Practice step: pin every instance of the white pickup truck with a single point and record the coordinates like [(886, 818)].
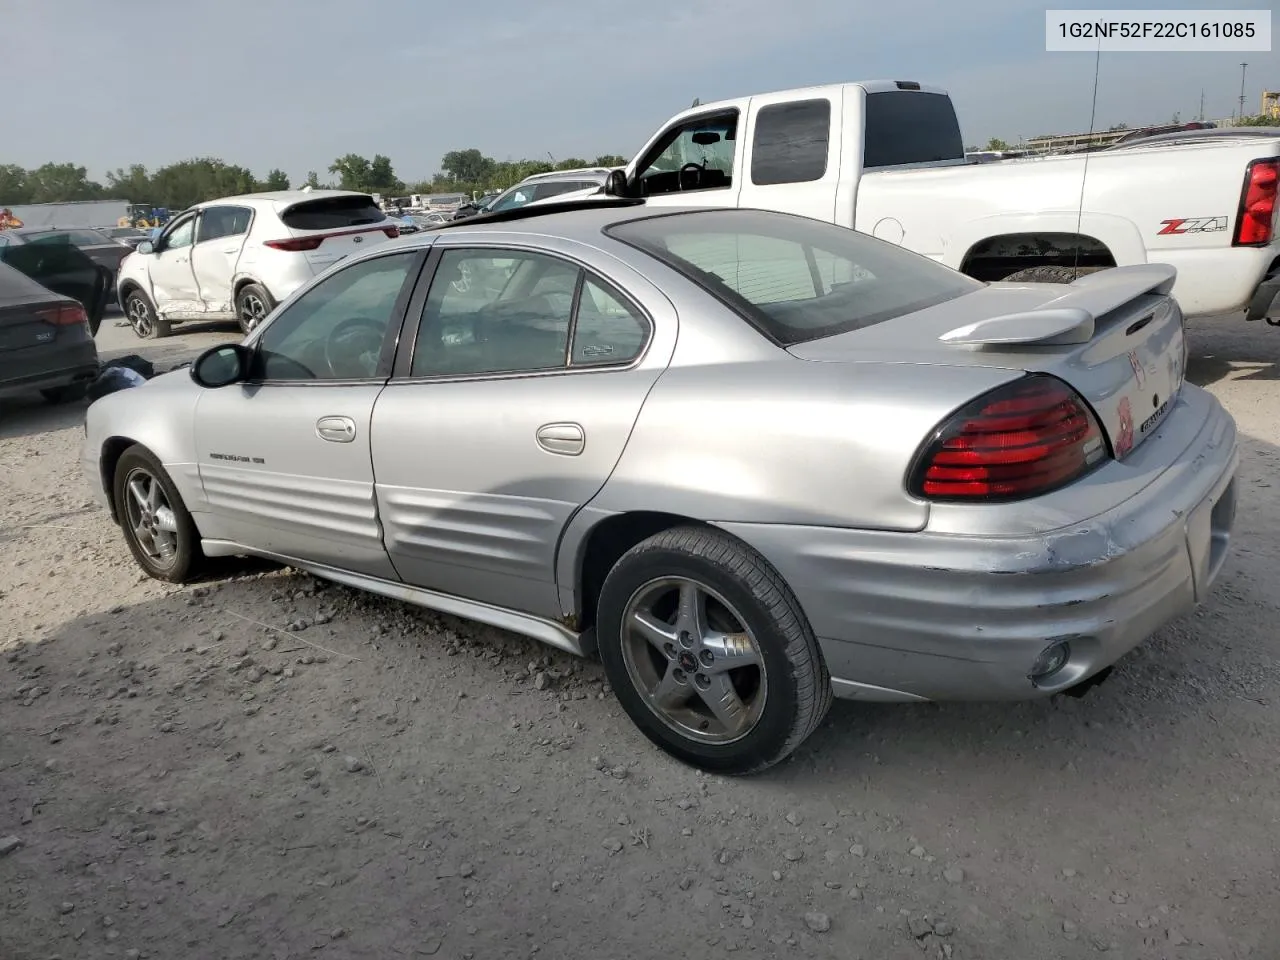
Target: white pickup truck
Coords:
[(887, 158)]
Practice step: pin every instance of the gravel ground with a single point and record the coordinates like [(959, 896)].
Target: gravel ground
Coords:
[(266, 766)]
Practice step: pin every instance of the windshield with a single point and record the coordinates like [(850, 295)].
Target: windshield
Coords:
[(793, 278)]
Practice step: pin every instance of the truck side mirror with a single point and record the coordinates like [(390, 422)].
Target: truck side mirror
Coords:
[(615, 184)]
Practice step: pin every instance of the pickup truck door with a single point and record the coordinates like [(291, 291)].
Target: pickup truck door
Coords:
[(173, 284), (220, 235), (793, 147), (695, 161)]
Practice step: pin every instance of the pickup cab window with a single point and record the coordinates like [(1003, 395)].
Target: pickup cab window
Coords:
[(790, 142), (910, 127), (695, 155)]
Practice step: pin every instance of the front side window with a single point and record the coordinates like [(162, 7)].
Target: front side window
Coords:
[(180, 235), (791, 142), (336, 330), (696, 155), (515, 197), (793, 278)]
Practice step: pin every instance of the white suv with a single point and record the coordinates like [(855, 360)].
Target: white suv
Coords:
[(238, 257)]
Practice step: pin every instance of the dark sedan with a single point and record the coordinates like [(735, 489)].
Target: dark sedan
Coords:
[(53, 260), (100, 248), (45, 342)]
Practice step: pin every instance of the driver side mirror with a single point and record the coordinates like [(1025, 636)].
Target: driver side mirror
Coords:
[(145, 247), (615, 184), (222, 365)]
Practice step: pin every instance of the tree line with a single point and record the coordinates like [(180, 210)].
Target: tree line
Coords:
[(179, 185)]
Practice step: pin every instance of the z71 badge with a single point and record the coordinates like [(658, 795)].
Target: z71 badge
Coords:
[(1192, 225)]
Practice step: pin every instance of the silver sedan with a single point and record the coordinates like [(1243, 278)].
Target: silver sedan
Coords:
[(752, 460)]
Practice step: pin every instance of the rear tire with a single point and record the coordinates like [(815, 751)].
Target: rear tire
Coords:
[(156, 523), (142, 317), (253, 303), (1050, 274), (678, 689)]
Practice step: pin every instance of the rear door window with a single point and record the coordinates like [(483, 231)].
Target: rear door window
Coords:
[(332, 213), (220, 222), (791, 142)]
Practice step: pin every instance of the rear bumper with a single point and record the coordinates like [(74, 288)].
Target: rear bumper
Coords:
[(75, 364), (932, 616), (1266, 299), (1220, 280)]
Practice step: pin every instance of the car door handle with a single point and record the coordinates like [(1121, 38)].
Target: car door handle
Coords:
[(230, 249), (336, 429), (567, 439)]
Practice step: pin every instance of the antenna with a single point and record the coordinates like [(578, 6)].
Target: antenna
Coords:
[(1244, 68), (1084, 175), (1202, 105)]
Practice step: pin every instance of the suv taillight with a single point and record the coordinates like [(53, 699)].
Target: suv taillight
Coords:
[(64, 316), (1254, 223), (1024, 439), (295, 245)]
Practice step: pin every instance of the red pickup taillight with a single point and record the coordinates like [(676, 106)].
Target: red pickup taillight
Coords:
[(1255, 224), (1024, 439)]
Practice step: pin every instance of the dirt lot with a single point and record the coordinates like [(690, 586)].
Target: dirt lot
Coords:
[(264, 766)]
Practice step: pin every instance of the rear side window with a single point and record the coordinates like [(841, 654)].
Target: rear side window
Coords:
[(910, 127), (219, 222), (794, 279), (332, 213), (791, 141)]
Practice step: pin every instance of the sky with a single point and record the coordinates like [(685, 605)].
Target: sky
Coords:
[(296, 83)]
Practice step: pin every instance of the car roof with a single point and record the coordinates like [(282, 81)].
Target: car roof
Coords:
[(580, 220), (277, 198)]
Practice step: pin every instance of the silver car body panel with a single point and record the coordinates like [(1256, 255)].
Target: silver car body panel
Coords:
[(802, 454), (471, 503)]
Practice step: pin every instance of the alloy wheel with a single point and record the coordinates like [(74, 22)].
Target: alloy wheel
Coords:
[(693, 660), (252, 311), (150, 518), (139, 316)]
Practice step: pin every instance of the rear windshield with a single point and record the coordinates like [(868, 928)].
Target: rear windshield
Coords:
[(910, 127), (793, 278), (332, 213)]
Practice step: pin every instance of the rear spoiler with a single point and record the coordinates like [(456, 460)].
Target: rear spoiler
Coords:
[(1072, 317)]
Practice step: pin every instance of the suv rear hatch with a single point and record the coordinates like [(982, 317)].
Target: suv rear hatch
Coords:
[(1116, 337), (326, 229)]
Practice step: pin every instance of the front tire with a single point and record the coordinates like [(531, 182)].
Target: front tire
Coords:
[(142, 317), (253, 303), (156, 524), (709, 652)]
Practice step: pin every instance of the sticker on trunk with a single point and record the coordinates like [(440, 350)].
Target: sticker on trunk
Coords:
[(1124, 438)]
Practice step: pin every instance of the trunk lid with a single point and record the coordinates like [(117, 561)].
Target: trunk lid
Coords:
[(326, 229), (1116, 337)]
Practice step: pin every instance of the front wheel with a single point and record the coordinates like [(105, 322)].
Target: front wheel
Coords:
[(709, 652), (156, 524), (142, 317), (253, 303)]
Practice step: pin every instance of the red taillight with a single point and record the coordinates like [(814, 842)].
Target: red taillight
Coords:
[(1254, 224), (1020, 440), (67, 315), (296, 245), (303, 244)]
